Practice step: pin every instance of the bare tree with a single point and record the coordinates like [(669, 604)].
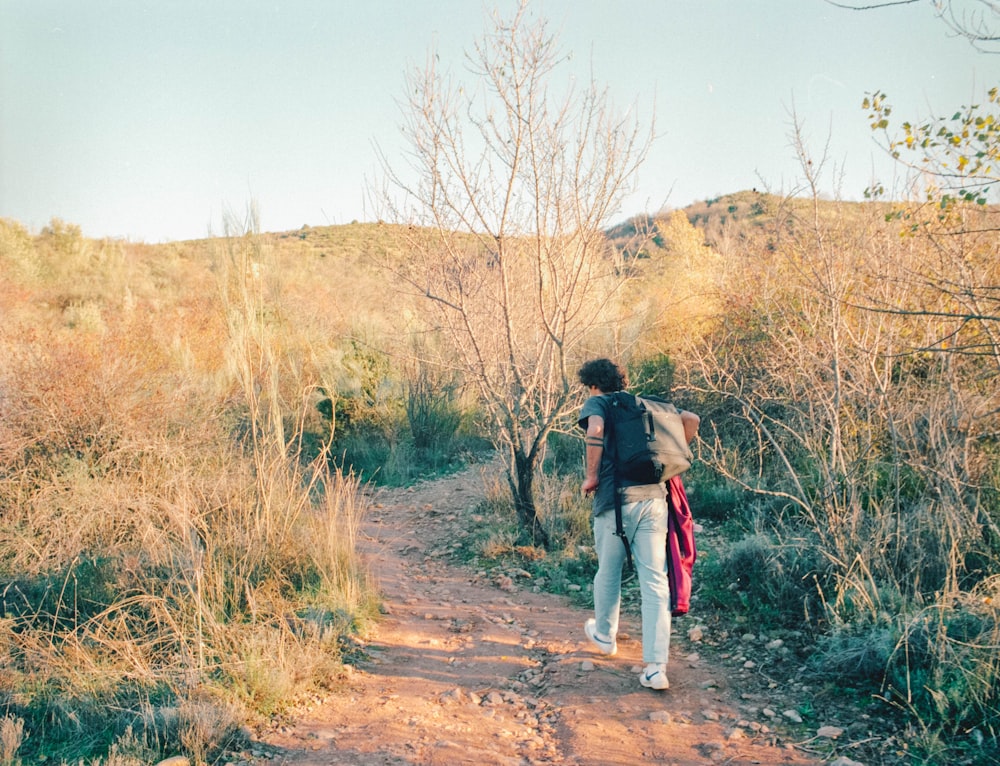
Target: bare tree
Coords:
[(514, 179), (978, 21)]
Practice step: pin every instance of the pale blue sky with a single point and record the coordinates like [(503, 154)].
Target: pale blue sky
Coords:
[(149, 119)]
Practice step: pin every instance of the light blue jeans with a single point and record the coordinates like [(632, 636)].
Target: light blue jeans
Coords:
[(645, 524)]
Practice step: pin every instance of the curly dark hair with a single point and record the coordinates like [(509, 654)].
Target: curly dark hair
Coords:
[(604, 374)]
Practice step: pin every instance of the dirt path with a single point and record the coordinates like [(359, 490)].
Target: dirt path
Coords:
[(467, 671)]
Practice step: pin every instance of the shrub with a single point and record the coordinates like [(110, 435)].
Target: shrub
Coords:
[(856, 653), (712, 498), (433, 412), (393, 433), (772, 581), (564, 511), (564, 454), (652, 375), (946, 663)]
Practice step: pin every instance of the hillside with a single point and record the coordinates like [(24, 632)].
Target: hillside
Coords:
[(185, 430)]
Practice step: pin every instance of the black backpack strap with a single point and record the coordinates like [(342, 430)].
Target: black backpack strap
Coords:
[(619, 526), (620, 530)]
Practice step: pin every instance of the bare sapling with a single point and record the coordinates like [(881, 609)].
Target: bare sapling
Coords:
[(512, 179)]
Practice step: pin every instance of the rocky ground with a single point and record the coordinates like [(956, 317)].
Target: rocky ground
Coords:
[(470, 667)]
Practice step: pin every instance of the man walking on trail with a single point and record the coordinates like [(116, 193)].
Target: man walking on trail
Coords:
[(644, 518)]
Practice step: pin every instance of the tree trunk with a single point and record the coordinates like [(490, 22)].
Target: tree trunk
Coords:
[(522, 476)]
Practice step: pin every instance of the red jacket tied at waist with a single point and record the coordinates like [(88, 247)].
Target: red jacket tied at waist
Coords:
[(681, 552)]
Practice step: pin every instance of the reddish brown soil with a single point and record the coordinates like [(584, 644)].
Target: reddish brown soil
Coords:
[(464, 670)]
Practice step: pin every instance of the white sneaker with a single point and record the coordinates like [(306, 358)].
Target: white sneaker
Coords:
[(654, 677), (604, 645)]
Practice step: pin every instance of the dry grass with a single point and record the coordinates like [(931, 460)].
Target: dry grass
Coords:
[(163, 540), (11, 738)]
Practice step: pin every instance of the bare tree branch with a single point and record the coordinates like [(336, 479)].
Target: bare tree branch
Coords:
[(872, 7), (980, 25)]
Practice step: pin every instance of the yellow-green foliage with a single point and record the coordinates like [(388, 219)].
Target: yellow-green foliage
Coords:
[(673, 296)]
